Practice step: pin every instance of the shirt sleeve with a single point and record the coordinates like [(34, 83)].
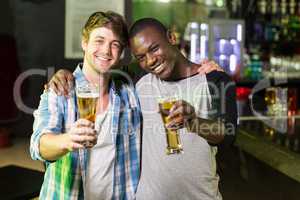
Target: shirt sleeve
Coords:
[(223, 92), (47, 118)]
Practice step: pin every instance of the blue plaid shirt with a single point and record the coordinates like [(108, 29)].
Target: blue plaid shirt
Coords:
[(64, 177)]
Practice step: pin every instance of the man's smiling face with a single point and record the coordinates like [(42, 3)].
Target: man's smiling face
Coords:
[(102, 50), (154, 52)]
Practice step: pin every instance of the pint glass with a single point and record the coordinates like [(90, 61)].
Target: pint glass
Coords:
[(172, 137), (87, 97)]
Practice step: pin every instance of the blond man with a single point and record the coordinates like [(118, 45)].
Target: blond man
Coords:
[(107, 168)]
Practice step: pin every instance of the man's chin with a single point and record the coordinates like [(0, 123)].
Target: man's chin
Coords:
[(163, 75)]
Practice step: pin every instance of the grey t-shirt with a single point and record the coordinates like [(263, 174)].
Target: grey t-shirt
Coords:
[(190, 175), (100, 170)]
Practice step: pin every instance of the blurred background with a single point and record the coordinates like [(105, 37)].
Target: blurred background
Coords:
[(257, 42)]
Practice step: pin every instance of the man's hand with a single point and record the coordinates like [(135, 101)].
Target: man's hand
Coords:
[(180, 113), (207, 66), (81, 135), (62, 82)]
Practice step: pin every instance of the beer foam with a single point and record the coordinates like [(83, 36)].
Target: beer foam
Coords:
[(167, 99), (88, 95)]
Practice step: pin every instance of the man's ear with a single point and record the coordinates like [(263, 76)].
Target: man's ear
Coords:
[(83, 44), (171, 37)]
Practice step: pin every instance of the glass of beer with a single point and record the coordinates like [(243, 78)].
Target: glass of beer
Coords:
[(174, 145), (87, 97)]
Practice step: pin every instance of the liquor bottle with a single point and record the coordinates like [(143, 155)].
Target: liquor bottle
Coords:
[(293, 20), (275, 21), (259, 23), (235, 9), (268, 26), (296, 145), (292, 110), (270, 101), (297, 22), (284, 20), (298, 10)]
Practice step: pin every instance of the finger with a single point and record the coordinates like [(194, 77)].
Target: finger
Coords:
[(90, 144), (208, 67), (216, 66), (53, 86), (84, 123), (176, 105), (84, 131), (70, 80), (220, 69), (63, 83), (186, 111), (58, 85), (83, 138), (46, 87), (173, 108), (67, 77), (176, 123), (175, 127), (75, 146), (178, 111), (204, 61)]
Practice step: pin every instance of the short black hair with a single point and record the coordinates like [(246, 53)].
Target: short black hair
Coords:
[(143, 23)]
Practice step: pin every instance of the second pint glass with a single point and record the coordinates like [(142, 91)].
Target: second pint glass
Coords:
[(173, 139)]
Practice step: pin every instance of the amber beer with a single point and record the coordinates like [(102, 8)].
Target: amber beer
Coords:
[(87, 97), (173, 139)]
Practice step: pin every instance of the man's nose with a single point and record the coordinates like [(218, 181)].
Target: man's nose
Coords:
[(106, 49), (151, 60)]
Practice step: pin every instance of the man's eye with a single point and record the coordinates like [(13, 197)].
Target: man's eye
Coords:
[(140, 58), (154, 49), (116, 45), (99, 41)]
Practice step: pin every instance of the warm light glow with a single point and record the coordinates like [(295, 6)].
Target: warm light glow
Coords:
[(233, 41), (232, 63), (164, 1), (220, 3), (203, 27), (223, 61), (203, 47), (239, 32), (194, 25), (222, 57), (193, 52), (222, 43)]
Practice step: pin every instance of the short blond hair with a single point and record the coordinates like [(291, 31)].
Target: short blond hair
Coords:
[(109, 19)]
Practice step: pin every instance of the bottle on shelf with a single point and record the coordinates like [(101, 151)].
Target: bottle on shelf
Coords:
[(260, 22), (291, 121), (273, 24), (270, 101), (293, 20), (284, 20), (235, 9)]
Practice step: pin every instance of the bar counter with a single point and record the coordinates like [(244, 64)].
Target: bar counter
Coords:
[(272, 151)]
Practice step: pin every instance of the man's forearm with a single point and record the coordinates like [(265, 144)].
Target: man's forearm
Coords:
[(212, 131), (51, 146)]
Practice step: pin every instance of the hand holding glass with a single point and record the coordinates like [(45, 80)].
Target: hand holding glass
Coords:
[(87, 98), (173, 139)]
